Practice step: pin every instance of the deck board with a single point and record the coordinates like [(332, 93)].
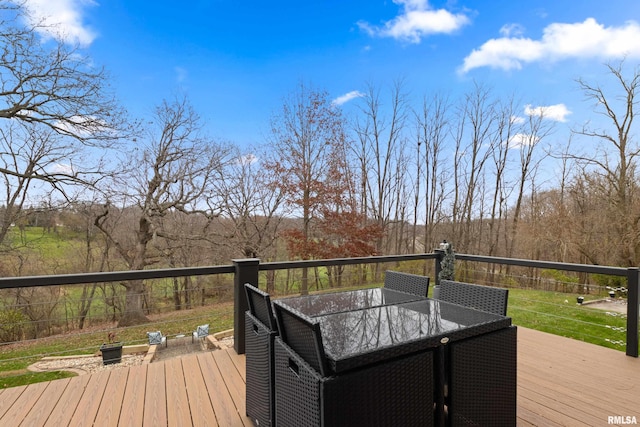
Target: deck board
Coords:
[(222, 402), (155, 397), (133, 403), (178, 413), (89, 404), (202, 414), (17, 413), (67, 404), (109, 411), (561, 382), (52, 394)]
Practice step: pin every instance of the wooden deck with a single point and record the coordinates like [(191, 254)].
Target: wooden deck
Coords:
[(561, 382)]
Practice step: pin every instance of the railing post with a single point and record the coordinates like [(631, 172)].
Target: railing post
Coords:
[(246, 272), (632, 311), (439, 257)]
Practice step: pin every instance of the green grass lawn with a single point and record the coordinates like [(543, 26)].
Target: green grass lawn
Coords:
[(560, 314)]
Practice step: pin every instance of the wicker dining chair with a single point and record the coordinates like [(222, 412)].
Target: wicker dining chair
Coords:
[(406, 282), (260, 331), (394, 392), (485, 298)]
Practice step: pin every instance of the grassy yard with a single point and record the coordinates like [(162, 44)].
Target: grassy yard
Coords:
[(560, 314)]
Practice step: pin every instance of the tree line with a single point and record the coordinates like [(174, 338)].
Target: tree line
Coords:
[(384, 176)]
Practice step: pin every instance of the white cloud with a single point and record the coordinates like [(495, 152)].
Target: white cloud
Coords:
[(416, 21), (516, 120), (522, 140), (558, 112), (83, 126), (511, 30), (62, 19), (587, 39), (347, 97), (62, 168)]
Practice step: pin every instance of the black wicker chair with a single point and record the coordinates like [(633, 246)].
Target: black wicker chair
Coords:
[(483, 380), (397, 392), (485, 298), (482, 370), (260, 331), (406, 282)]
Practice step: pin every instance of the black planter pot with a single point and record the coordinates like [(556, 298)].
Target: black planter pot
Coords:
[(111, 353)]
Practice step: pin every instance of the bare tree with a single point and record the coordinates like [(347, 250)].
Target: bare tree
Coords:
[(432, 131), (380, 135), (506, 129), (53, 85), (533, 133), (37, 164), (616, 159), (58, 107), (169, 173), (252, 200), (474, 140)]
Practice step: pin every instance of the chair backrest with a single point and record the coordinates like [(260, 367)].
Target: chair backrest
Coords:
[(202, 331), (260, 306), (485, 298), (155, 337), (303, 335), (406, 282)]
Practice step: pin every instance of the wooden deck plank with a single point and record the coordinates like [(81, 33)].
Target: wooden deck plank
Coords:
[(530, 412), (89, 403), (563, 387), (155, 397), (63, 412), (235, 385), (241, 365), (109, 411), (577, 365), (178, 413), (9, 397), (567, 410), (133, 403), (44, 406), (17, 413), (202, 414), (223, 406)]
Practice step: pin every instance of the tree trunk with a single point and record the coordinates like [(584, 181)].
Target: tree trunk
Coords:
[(133, 310)]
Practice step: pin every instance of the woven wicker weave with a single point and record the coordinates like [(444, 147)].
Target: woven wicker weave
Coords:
[(259, 336), (405, 282), (395, 393), (483, 380), (485, 298)]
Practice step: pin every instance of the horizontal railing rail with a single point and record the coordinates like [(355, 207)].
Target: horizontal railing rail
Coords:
[(247, 271)]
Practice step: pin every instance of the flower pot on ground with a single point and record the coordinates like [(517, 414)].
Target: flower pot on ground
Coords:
[(111, 353)]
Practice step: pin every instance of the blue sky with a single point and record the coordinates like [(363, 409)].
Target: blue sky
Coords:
[(236, 61)]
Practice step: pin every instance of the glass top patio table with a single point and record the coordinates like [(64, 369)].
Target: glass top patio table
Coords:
[(356, 338), (335, 302)]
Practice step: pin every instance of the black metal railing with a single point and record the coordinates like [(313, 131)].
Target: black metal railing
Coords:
[(248, 271)]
